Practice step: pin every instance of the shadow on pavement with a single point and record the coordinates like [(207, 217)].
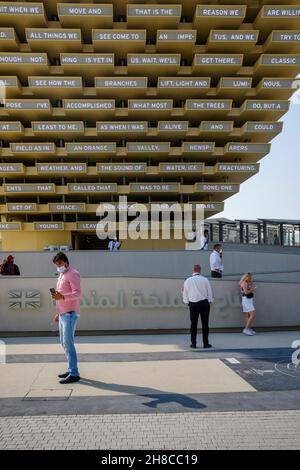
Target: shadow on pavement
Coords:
[(158, 397)]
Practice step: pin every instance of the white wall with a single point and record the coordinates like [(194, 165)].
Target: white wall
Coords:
[(116, 304), (174, 264)]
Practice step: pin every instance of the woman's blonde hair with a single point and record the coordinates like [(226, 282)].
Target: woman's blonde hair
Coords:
[(245, 276)]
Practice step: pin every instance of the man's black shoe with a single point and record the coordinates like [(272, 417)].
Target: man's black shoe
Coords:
[(206, 346), (64, 376), (70, 379), (193, 346)]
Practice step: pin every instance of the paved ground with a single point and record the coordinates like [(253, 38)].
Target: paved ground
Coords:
[(235, 430), (143, 392)]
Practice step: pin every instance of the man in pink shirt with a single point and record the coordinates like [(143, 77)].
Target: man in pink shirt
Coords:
[(67, 297)]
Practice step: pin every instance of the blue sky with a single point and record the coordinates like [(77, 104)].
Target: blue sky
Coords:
[(275, 191)]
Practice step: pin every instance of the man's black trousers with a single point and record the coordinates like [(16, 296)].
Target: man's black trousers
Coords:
[(216, 274), (199, 308)]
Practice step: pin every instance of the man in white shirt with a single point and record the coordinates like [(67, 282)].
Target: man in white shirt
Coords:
[(197, 294), (117, 245), (111, 244), (216, 261), (204, 241)]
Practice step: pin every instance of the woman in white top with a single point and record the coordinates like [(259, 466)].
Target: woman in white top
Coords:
[(247, 292)]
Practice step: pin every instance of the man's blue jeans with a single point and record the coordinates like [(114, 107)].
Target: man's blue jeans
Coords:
[(67, 325)]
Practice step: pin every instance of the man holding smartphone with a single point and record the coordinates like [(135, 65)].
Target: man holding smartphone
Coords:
[(67, 297)]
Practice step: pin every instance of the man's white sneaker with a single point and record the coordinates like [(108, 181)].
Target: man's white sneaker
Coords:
[(254, 332), (248, 332)]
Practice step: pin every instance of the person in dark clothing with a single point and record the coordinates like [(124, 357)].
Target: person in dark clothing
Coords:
[(8, 267), (197, 294)]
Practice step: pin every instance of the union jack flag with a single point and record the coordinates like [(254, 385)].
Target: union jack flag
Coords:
[(24, 299)]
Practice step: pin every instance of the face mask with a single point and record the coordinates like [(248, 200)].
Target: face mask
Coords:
[(61, 269)]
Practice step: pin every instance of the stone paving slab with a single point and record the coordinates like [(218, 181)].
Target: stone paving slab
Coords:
[(153, 403), (251, 353), (17, 379), (110, 379), (125, 344), (273, 373), (48, 394), (230, 430)]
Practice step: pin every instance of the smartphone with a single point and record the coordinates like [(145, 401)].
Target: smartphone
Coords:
[(52, 290)]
